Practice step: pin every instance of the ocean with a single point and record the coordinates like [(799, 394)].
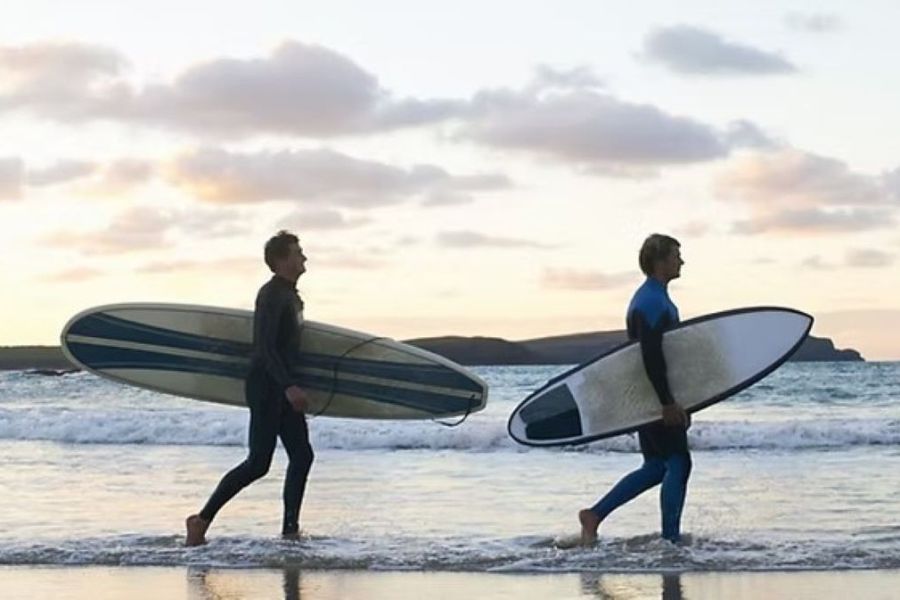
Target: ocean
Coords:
[(800, 472)]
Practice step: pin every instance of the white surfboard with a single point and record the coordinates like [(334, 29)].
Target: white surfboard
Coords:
[(203, 352), (708, 359)]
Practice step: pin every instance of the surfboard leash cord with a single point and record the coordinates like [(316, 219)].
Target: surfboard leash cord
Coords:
[(334, 381), (336, 368)]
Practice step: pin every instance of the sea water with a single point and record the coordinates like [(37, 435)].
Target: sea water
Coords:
[(801, 471)]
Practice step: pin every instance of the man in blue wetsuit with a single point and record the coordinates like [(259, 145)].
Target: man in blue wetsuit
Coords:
[(667, 459), (276, 401)]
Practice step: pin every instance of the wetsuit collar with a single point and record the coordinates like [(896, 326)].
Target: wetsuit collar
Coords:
[(285, 282), (653, 281)]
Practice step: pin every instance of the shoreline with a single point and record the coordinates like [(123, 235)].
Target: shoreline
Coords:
[(189, 583), (570, 349)]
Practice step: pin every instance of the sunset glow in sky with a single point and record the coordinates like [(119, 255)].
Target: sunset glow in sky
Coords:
[(471, 168)]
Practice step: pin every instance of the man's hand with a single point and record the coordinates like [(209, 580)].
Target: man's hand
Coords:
[(675, 416), (297, 398)]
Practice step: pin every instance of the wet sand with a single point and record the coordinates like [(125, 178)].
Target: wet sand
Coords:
[(176, 583)]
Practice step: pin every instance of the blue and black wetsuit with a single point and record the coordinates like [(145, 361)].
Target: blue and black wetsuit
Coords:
[(667, 459), (276, 341)]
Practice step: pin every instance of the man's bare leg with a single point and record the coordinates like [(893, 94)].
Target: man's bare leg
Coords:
[(589, 524), (196, 530)]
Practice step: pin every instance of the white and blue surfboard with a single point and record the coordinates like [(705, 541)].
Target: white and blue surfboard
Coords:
[(204, 353), (708, 359)]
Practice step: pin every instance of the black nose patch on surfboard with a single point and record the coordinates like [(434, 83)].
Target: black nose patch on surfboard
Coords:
[(552, 416)]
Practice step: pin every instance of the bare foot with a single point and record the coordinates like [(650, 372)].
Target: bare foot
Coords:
[(196, 530), (589, 524)]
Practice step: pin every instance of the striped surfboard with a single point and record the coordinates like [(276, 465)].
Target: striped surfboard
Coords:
[(203, 353)]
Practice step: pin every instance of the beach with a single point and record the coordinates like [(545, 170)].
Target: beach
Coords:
[(108, 583), (793, 495)]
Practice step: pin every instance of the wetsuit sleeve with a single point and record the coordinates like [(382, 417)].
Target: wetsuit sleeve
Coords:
[(654, 362), (269, 312)]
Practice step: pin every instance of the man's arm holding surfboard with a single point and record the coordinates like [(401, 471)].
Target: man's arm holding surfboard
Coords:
[(650, 339), (269, 312)]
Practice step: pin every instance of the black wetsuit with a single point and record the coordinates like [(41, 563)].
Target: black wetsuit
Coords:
[(276, 340)]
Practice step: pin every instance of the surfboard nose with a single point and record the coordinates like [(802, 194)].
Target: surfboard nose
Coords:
[(553, 415)]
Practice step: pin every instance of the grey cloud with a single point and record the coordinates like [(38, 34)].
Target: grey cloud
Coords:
[(136, 229), (869, 258), (695, 51), (744, 134), (589, 128), (47, 60), (813, 22), (572, 279), (791, 190), (306, 220), (63, 81), (815, 220), (61, 172), (299, 89), (574, 78), (472, 239), (314, 176), (12, 175), (144, 227), (891, 181)]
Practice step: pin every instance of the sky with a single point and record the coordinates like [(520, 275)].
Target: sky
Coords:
[(468, 168)]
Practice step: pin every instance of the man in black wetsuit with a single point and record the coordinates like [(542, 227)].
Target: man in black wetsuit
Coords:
[(667, 459), (276, 401)]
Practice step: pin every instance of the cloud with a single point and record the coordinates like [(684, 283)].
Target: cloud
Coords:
[(62, 81), (816, 262), (121, 176), (589, 128), (817, 221), (74, 275), (869, 258), (794, 191), (147, 228), (744, 134), (571, 279), (299, 89), (693, 229), (306, 220), (472, 239), (60, 172), (311, 91), (314, 176), (233, 265), (694, 51), (581, 77), (855, 258), (813, 22), (12, 173)]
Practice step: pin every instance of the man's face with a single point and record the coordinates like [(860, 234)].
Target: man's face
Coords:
[(295, 261), (670, 268)]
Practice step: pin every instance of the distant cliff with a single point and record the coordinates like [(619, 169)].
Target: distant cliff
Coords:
[(33, 357), (578, 348), (557, 350)]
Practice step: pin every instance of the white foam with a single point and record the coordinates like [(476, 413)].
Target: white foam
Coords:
[(228, 427)]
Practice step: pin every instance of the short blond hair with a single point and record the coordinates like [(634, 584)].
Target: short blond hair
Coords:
[(654, 249)]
